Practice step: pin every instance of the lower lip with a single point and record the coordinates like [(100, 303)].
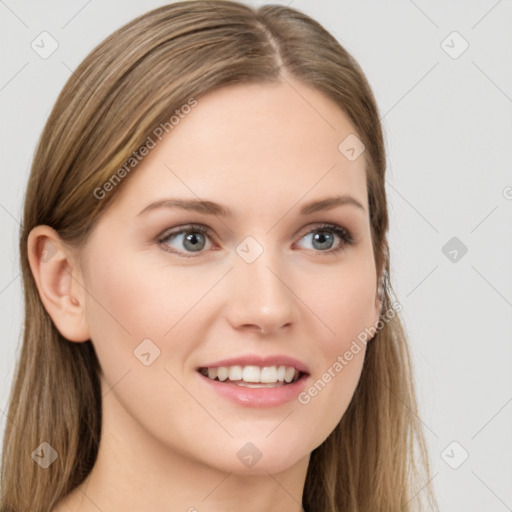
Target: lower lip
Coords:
[(258, 397)]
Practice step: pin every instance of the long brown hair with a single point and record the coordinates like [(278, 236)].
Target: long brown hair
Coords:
[(129, 84)]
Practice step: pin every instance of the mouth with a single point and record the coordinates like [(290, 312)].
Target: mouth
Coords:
[(252, 376)]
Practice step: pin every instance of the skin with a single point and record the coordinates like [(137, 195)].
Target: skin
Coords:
[(170, 443)]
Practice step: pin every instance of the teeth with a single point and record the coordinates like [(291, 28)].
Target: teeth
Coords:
[(252, 385), (290, 373), (222, 373), (235, 373), (253, 374), (269, 374)]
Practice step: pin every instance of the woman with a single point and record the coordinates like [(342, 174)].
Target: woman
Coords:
[(209, 322)]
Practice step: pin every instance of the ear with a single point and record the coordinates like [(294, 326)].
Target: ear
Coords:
[(59, 282)]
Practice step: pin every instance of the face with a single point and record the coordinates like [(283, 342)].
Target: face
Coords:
[(171, 290)]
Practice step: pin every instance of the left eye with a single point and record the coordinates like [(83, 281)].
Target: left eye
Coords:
[(324, 236)]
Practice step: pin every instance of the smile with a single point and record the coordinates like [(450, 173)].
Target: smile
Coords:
[(252, 375)]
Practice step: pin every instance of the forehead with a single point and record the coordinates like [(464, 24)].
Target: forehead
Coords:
[(251, 146)]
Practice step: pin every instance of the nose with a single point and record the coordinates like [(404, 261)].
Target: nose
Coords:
[(261, 296)]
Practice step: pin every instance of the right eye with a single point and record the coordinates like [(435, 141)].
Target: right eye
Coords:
[(189, 239)]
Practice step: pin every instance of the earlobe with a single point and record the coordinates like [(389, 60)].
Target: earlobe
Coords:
[(377, 309), (59, 282), (378, 306), (379, 298)]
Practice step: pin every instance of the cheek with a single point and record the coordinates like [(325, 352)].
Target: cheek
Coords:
[(343, 301), (129, 314), (131, 298), (131, 301), (124, 307), (347, 308)]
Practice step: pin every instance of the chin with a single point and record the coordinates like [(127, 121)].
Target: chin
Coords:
[(259, 457)]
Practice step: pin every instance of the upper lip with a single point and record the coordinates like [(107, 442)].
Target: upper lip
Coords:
[(258, 360)]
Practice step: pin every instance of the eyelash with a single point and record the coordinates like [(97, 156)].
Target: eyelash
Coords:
[(342, 233)]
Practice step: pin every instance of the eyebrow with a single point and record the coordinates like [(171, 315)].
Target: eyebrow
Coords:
[(212, 208)]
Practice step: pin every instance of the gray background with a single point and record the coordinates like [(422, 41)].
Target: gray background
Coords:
[(448, 128)]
